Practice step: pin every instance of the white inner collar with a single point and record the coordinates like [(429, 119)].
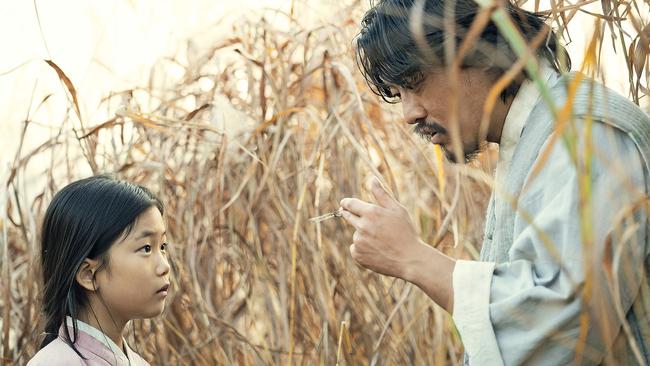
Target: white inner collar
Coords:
[(522, 105), (101, 337)]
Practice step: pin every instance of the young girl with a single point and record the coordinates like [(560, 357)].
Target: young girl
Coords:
[(104, 262)]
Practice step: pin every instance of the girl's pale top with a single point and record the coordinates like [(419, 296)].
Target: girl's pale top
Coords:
[(95, 346)]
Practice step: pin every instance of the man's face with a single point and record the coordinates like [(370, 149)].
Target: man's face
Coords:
[(427, 108)]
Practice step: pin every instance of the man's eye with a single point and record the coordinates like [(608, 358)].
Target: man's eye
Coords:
[(394, 92), (145, 248), (414, 82)]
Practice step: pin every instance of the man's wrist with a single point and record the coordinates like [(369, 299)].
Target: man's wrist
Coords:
[(415, 269), (432, 271)]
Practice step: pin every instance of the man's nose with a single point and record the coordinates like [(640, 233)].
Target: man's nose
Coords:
[(411, 108)]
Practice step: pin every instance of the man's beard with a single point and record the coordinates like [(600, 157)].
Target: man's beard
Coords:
[(426, 131)]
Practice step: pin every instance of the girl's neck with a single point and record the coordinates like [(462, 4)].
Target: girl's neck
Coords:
[(97, 316)]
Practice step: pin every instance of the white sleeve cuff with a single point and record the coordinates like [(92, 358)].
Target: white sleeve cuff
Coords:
[(472, 282)]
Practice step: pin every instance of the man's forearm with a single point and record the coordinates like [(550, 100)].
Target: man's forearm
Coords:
[(432, 272)]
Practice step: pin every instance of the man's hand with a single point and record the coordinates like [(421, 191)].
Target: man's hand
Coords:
[(385, 241)]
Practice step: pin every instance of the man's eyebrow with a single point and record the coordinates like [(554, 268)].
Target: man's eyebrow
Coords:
[(146, 233)]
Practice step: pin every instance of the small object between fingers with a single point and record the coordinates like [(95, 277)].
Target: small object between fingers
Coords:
[(337, 213)]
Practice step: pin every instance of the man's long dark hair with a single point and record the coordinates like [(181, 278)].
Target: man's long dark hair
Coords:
[(83, 220), (389, 55)]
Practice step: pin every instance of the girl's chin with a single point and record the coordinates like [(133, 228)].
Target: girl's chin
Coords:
[(152, 313)]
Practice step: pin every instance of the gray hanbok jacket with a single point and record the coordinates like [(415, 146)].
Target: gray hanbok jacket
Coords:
[(568, 236)]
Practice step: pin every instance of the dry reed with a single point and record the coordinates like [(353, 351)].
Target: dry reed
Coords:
[(254, 282)]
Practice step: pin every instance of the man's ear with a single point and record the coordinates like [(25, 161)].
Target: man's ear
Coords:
[(86, 274)]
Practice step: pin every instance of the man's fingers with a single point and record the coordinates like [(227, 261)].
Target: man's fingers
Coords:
[(354, 253), (383, 198), (351, 218), (357, 206)]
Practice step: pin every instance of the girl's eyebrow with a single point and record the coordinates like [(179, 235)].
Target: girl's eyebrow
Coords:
[(146, 233)]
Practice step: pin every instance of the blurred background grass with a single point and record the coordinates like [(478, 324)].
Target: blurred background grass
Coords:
[(246, 120)]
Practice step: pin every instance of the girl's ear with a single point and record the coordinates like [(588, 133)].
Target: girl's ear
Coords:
[(86, 274)]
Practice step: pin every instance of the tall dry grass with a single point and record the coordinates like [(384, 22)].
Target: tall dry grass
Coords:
[(255, 283)]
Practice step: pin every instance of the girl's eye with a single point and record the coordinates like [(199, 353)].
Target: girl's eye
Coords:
[(163, 247), (145, 248)]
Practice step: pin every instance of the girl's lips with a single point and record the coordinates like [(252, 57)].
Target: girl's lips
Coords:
[(163, 289)]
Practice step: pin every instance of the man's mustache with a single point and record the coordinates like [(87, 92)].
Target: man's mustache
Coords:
[(426, 129)]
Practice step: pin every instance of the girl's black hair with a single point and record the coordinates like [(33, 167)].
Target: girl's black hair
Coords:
[(389, 55), (83, 220)]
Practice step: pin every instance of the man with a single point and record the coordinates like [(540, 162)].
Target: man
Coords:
[(562, 277)]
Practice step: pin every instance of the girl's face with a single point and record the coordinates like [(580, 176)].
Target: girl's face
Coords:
[(136, 282)]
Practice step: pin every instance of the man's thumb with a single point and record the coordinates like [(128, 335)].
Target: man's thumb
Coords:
[(381, 195)]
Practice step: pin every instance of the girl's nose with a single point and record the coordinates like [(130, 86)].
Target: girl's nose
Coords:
[(163, 267)]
